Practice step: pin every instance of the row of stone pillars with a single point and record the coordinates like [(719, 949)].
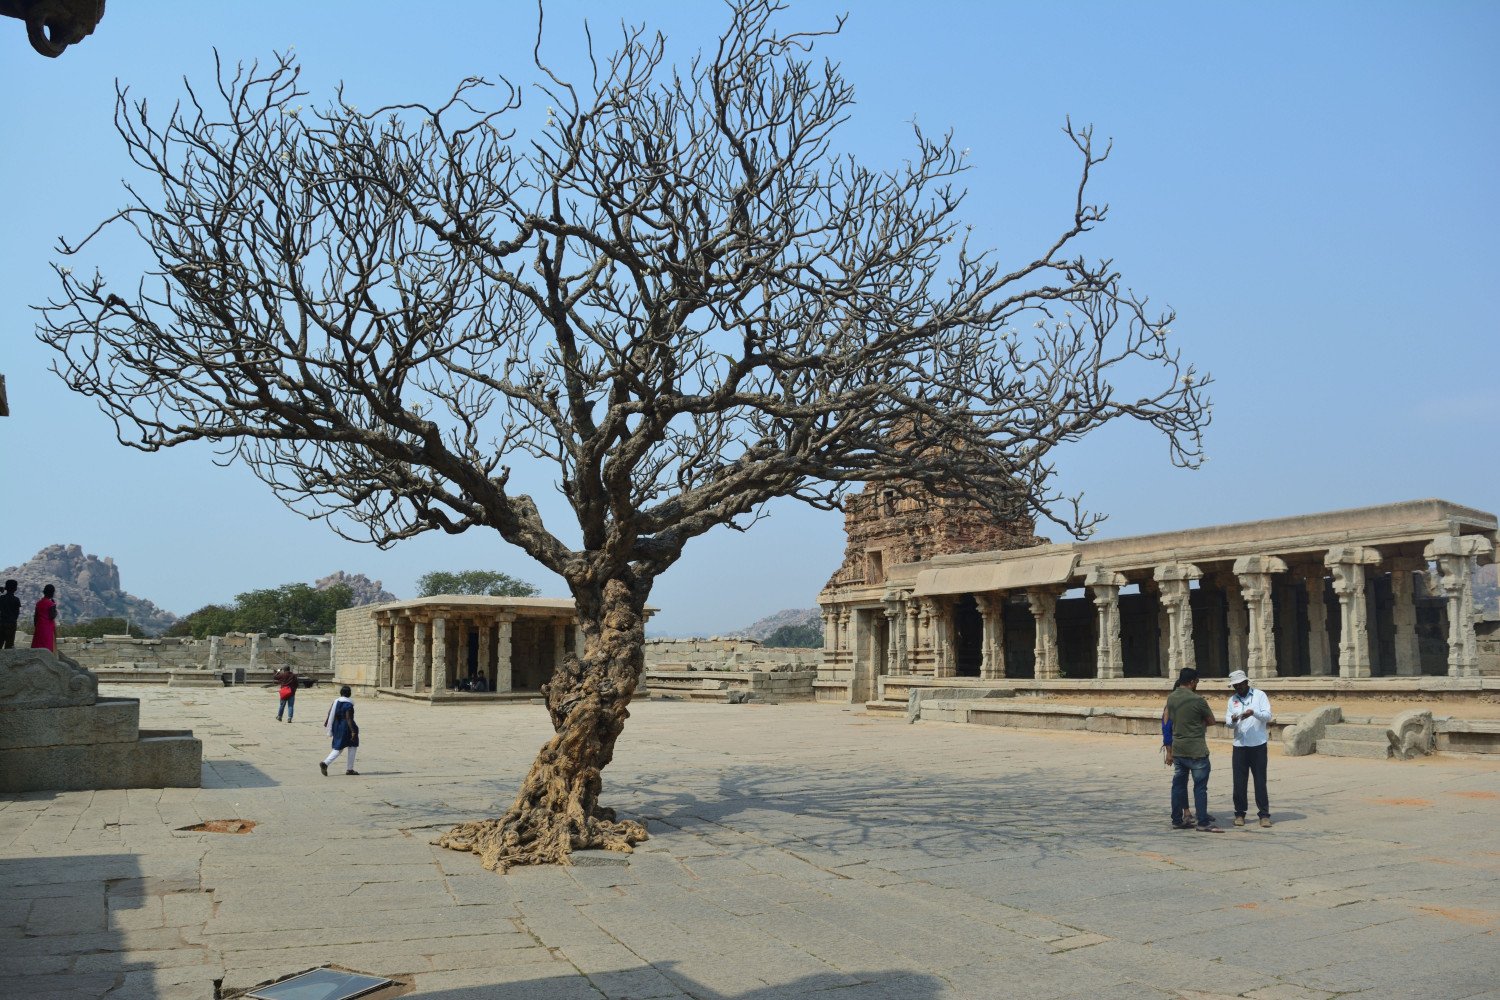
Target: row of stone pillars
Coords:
[(926, 623), (413, 651)]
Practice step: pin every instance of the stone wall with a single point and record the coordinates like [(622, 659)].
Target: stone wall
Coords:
[(744, 655), (304, 654), (355, 647)]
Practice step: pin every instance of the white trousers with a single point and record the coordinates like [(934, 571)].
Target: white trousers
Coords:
[(335, 756)]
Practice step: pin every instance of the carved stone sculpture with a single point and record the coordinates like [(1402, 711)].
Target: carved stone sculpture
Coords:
[(53, 25), (37, 678), (1411, 734)]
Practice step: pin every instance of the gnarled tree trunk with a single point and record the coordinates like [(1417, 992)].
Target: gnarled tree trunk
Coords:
[(557, 810)]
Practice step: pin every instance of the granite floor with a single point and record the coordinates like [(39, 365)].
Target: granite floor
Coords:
[(796, 851)]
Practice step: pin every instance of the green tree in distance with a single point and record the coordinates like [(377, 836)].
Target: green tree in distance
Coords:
[(294, 607), (476, 582), (806, 636), (211, 619)]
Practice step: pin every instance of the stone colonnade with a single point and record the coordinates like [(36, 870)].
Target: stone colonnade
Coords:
[(1268, 610), (426, 648)]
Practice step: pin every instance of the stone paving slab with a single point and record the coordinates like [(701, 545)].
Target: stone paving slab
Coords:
[(796, 851)]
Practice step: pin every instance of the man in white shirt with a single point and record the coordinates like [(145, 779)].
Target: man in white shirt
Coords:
[(1248, 716)]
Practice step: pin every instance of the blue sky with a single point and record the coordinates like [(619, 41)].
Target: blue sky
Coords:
[(1311, 186)]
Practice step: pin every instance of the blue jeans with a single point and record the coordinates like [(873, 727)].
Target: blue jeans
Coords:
[(290, 705), (1199, 768)]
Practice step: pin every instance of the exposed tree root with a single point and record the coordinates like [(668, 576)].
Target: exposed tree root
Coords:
[(540, 838)]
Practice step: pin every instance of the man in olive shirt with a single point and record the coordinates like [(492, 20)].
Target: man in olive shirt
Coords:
[(1191, 718)]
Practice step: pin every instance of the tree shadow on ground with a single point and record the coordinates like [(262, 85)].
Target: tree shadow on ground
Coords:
[(1036, 809), (890, 985)]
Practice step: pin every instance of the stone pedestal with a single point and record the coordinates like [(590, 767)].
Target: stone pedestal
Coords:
[(57, 735)]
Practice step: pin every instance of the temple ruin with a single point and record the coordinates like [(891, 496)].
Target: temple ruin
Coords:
[(424, 648), (1353, 594)]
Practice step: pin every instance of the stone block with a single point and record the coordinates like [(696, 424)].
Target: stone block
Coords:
[(115, 720), (153, 762), (1367, 749), (195, 678), (1302, 739)]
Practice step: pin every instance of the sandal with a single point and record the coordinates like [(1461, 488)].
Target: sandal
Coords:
[(1208, 829)]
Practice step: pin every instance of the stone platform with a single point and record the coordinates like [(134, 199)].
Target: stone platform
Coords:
[(57, 734)]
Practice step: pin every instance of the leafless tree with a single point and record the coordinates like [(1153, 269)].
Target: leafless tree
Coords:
[(677, 290)]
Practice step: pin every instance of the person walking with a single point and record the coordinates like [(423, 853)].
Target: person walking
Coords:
[(10, 615), (1190, 717), (44, 621), (1248, 717), (286, 677), (341, 726)]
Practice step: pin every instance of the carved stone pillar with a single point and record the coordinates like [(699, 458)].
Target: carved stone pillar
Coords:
[(991, 658), (1455, 555), (1109, 657), (1287, 634), (560, 643), (901, 636), (1256, 575), (421, 655), (216, 654), (385, 653), (1043, 601), (1404, 614), (439, 654), (504, 676), (1319, 655), (893, 620), (486, 646), (1237, 619), (941, 616), (842, 641), (913, 608), (1175, 581), (1348, 563), (255, 651)]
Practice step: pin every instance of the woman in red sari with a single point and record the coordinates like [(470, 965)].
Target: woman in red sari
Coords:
[(44, 626)]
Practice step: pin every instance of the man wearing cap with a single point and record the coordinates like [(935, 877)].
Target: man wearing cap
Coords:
[(1248, 716), (1190, 717)]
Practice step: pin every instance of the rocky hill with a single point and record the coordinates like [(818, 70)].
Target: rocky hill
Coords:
[(795, 617), (87, 587), (365, 590)]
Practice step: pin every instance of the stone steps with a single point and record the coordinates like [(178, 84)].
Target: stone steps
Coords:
[(886, 709), (1355, 748), (1355, 739), (1354, 732)]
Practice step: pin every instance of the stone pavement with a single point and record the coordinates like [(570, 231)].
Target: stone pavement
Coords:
[(796, 851)]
